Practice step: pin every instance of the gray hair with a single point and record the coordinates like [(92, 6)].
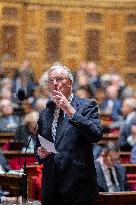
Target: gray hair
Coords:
[(66, 70), (131, 102)]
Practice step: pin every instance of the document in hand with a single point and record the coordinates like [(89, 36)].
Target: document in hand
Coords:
[(49, 146)]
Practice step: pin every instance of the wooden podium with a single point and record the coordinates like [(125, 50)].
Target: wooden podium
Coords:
[(116, 198), (14, 184)]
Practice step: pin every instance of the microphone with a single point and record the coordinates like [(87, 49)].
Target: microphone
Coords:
[(21, 94), (27, 146), (24, 188)]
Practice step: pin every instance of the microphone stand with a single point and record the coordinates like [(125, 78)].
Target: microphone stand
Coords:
[(21, 97), (24, 175)]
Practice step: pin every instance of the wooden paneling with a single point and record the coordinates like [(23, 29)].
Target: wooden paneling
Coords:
[(9, 42), (53, 44), (131, 47), (119, 198), (92, 46), (69, 31)]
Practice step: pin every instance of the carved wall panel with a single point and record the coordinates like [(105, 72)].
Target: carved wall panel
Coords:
[(94, 17), (69, 31), (10, 13), (130, 78), (9, 42), (53, 44), (131, 19), (131, 47), (54, 16), (74, 22), (93, 45)]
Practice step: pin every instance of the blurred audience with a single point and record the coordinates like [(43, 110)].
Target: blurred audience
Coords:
[(8, 121), (26, 132), (4, 166), (84, 92), (94, 80), (40, 104), (24, 78), (111, 104), (132, 141)]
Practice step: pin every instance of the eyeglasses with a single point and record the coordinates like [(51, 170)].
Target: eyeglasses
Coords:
[(57, 80)]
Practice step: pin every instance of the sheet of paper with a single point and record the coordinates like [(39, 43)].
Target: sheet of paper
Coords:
[(49, 146)]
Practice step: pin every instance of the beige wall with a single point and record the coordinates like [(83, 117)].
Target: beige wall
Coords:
[(71, 20)]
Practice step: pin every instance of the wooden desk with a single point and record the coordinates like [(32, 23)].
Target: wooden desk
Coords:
[(108, 137), (118, 198), (4, 141), (6, 135), (12, 183), (130, 168), (105, 118), (124, 157), (12, 154)]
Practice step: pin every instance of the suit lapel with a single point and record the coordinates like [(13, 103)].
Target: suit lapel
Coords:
[(64, 122), (119, 176), (48, 119)]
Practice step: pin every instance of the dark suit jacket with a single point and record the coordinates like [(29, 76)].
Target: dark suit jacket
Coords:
[(121, 175), (72, 170)]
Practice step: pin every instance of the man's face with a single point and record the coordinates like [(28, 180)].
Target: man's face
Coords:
[(126, 109), (111, 158), (7, 110), (59, 81)]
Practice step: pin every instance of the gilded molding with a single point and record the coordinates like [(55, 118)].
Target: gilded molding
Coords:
[(119, 4)]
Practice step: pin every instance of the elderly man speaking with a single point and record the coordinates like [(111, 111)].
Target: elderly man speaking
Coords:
[(72, 124)]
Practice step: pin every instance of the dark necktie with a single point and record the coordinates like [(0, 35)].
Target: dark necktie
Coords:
[(60, 122)]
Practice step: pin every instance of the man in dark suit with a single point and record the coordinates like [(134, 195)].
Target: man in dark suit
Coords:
[(73, 125), (111, 175)]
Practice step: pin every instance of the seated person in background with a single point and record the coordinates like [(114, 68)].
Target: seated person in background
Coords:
[(133, 155), (132, 141), (94, 80), (27, 131), (84, 92), (8, 121), (132, 137), (4, 167), (129, 114), (100, 97), (40, 104), (23, 78), (111, 175), (111, 104), (3, 163)]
